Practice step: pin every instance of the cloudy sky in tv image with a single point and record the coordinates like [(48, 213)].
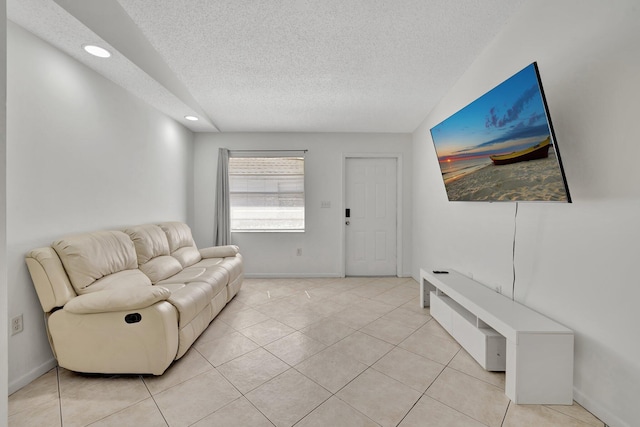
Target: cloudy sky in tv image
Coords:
[(508, 118)]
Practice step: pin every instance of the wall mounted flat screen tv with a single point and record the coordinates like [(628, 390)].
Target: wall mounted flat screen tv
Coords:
[(502, 147)]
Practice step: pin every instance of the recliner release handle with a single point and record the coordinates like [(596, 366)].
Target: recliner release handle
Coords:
[(133, 318)]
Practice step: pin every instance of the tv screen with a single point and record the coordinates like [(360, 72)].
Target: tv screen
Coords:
[(502, 147)]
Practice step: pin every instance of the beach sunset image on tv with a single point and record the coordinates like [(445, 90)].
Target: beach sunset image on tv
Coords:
[(501, 147)]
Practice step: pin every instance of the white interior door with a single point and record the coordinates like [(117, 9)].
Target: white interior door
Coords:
[(370, 216)]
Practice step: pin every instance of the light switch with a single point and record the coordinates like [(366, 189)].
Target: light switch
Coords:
[(325, 204)]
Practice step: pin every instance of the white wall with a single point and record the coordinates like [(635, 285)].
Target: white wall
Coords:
[(83, 155), (576, 263), (274, 254), (3, 214)]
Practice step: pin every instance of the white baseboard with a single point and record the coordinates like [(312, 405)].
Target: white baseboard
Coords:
[(598, 410), (291, 276), (301, 275), (35, 373)]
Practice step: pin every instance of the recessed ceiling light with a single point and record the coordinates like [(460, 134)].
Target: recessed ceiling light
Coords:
[(96, 51), (192, 118)]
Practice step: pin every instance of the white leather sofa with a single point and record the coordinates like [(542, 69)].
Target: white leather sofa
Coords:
[(131, 301)]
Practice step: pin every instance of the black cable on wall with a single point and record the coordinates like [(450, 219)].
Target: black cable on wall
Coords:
[(513, 256)]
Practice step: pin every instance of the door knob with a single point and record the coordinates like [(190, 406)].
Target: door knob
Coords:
[(348, 222)]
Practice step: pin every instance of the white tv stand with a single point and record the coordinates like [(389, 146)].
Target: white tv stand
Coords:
[(539, 351)]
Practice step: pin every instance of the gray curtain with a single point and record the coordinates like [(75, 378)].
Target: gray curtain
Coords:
[(222, 226)]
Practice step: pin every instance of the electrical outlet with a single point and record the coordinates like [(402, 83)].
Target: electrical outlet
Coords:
[(16, 324), (299, 252)]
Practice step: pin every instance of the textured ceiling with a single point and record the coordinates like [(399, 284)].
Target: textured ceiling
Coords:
[(278, 65)]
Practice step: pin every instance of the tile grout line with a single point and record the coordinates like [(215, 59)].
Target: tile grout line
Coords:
[(363, 303), (154, 401), (257, 409), (336, 393), (291, 367), (356, 377), (504, 417), (326, 346), (473, 376), (443, 403), (59, 395), (571, 416)]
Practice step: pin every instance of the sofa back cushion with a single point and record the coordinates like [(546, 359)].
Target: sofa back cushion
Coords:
[(152, 249), (89, 257), (181, 244), (50, 279)]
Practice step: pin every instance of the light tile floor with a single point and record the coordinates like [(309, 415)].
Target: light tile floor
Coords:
[(304, 352)]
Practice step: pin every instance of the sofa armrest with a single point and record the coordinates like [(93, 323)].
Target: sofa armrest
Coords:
[(219, 251), (117, 300)]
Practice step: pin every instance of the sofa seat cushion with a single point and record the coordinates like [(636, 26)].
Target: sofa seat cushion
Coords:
[(233, 265), (193, 289), (213, 275), (192, 298), (89, 257), (208, 262), (171, 287)]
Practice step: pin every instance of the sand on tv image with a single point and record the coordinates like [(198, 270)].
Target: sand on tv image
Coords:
[(501, 146)]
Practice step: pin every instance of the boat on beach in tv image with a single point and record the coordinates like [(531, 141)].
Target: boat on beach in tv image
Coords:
[(535, 152), (501, 147)]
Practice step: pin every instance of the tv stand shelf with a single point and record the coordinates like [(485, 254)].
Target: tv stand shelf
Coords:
[(539, 351)]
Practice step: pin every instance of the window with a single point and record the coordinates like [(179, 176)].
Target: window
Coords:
[(266, 191)]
